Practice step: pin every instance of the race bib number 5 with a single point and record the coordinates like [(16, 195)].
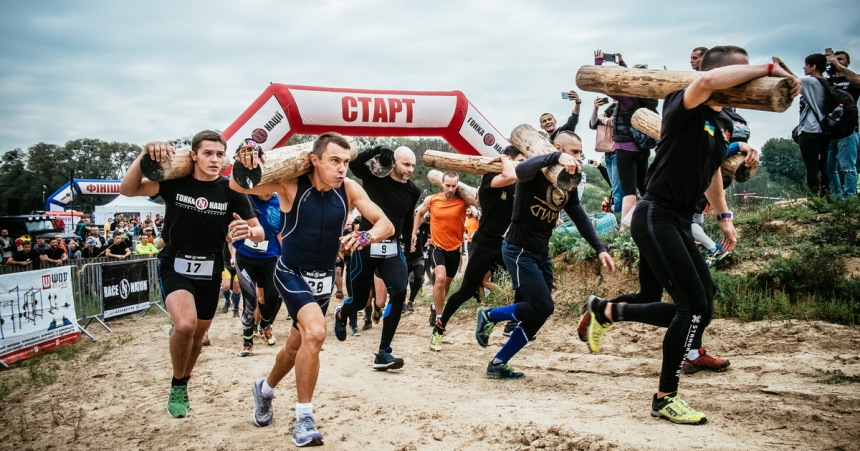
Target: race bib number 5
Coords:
[(262, 246), (197, 267), (384, 249), (319, 282)]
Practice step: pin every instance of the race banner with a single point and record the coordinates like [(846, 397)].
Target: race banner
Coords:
[(37, 313), (125, 288)]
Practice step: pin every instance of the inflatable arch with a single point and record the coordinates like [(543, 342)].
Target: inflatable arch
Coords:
[(284, 110), (83, 187)]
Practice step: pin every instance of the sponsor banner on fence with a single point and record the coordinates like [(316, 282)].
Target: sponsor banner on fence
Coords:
[(125, 288), (37, 313)]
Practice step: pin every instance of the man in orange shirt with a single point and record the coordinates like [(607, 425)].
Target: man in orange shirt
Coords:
[(471, 225), (447, 219)]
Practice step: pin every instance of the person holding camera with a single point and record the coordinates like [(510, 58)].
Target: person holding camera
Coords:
[(610, 170), (842, 152), (548, 122)]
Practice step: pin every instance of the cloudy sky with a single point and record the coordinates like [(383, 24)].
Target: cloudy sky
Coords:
[(158, 70)]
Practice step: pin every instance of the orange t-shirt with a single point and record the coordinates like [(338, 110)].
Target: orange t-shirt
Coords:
[(447, 218), (471, 226)]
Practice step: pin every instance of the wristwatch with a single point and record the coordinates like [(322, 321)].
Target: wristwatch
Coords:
[(726, 215)]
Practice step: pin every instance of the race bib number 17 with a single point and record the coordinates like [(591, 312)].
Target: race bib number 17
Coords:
[(198, 267)]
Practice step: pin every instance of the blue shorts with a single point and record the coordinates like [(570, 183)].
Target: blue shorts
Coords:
[(296, 292)]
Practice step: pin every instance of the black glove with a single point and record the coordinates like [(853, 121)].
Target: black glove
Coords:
[(386, 156)]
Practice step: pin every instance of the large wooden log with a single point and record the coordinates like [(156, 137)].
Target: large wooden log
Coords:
[(531, 143), (180, 166), (282, 163), (650, 123), (466, 192), (462, 163), (765, 93)]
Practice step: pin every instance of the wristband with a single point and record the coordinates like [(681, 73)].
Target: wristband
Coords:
[(726, 215), (578, 102), (363, 238), (769, 69)]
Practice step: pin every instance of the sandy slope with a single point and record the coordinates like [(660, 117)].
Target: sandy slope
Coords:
[(769, 399)]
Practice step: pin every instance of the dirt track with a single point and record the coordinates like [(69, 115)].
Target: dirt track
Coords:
[(769, 399)]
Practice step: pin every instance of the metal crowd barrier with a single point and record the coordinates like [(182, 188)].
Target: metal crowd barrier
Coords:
[(87, 287)]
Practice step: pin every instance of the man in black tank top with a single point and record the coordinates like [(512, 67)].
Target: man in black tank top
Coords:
[(397, 196), (496, 195), (306, 266), (693, 142), (199, 210)]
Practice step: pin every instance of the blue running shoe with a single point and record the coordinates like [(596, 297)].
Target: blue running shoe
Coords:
[(262, 405), (384, 361), (484, 327), (339, 325), (306, 433)]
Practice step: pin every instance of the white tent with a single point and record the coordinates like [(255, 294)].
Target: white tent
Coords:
[(138, 205)]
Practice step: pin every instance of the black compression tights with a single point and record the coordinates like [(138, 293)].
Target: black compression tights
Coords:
[(417, 271), (482, 259)]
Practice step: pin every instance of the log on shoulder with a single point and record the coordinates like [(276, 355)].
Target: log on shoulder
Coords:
[(180, 166), (466, 192), (461, 163), (531, 143), (282, 163)]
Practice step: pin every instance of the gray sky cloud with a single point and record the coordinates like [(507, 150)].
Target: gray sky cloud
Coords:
[(160, 70)]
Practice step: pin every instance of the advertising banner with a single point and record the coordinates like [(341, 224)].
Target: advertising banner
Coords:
[(37, 313), (125, 288)]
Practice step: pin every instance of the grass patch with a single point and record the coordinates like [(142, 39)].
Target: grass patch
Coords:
[(836, 377)]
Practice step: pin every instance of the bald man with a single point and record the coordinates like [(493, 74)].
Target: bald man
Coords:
[(397, 196)]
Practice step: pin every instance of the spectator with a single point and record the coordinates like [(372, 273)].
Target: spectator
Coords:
[(7, 244), (631, 160), (842, 152), (146, 245), (609, 157), (548, 123), (117, 217), (159, 221), (73, 252), (94, 234), (812, 140), (119, 248), (92, 248), (696, 57), (62, 243), (83, 228), (55, 254), (41, 246), (27, 256)]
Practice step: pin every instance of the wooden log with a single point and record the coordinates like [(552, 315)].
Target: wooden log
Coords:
[(282, 163), (531, 143), (651, 123), (179, 167), (462, 163), (466, 192), (764, 94)]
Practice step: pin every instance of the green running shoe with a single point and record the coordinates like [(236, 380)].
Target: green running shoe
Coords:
[(484, 327), (503, 371), (676, 410), (177, 403), (595, 329), (436, 341)]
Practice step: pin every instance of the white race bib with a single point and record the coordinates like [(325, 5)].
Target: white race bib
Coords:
[(318, 281), (384, 249), (194, 266), (262, 246)]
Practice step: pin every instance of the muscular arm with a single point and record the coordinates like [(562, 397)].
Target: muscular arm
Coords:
[(508, 176), (382, 227), (850, 75), (419, 217), (135, 184), (726, 77), (717, 199), (359, 165), (529, 169)]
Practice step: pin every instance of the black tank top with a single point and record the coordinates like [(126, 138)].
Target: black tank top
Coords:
[(311, 231)]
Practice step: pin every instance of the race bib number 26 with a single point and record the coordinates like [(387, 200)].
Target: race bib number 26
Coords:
[(197, 267)]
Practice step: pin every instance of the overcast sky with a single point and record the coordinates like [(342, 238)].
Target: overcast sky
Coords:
[(158, 70)]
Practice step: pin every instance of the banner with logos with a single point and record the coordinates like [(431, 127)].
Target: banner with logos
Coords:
[(37, 313), (125, 288)]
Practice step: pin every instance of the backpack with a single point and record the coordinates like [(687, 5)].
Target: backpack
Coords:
[(833, 97), (642, 140)]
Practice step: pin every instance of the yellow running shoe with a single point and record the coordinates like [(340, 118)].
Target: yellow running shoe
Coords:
[(676, 410), (595, 330), (436, 342)]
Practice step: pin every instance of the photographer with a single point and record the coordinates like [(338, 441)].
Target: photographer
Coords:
[(548, 122)]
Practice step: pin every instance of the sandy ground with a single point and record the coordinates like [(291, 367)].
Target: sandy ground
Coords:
[(770, 398)]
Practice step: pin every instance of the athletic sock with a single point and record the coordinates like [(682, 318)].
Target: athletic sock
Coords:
[(236, 297), (617, 311), (693, 354), (599, 314), (304, 409), (505, 313), (265, 389), (496, 361), (517, 341), (438, 318), (226, 294), (175, 382)]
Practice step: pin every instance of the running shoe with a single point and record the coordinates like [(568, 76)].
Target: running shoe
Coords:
[(177, 403), (355, 332), (247, 349), (484, 327), (384, 361), (509, 328), (306, 433), (268, 335), (595, 330), (421, 291), (676, 410), (705, 362), (432, 317), (235, 313), (582, 327), (716, 256), (226, 307), (206, 341), (339, 325), (377, 313), (409, 307), (367, 325), (436, 341), (503, 371), (262, 404)]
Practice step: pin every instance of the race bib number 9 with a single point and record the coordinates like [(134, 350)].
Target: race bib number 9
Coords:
[(319, 282), (198, 267), (262, 246), (384, 249)]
